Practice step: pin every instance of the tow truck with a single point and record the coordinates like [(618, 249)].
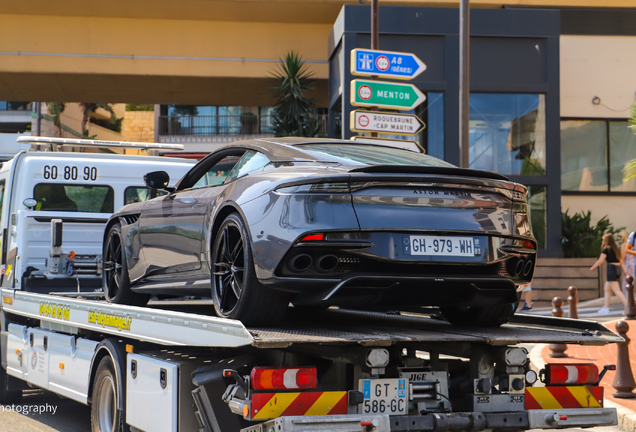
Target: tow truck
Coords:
[(173, 366)]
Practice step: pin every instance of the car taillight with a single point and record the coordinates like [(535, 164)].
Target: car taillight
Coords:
[(313, 237), (528, 244), (564, 374), (283, 378)]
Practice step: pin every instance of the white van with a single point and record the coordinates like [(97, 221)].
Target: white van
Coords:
[(75, 193)]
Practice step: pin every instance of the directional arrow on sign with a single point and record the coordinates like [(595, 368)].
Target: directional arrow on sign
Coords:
[(385, 95), (385, 64), (389, 123)]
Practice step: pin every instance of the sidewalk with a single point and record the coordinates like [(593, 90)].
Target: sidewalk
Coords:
[(601, 356)]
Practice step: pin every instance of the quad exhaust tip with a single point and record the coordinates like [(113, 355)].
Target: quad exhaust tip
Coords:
[(300, 263), (528, 268), (326, 263)]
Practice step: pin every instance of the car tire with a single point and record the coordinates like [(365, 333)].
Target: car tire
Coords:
[(236, 291), (492, 316), (105, 416), (115, 278)]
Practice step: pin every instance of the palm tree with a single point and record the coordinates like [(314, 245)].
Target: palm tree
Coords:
[(55, 110), (88, 108), (292, 116)]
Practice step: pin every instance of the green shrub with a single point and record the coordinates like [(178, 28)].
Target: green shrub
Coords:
[(580, 239)]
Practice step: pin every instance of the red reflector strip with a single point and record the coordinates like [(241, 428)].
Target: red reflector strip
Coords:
[(563, 374), (558, 397), (528, 244), (273, 405), (313, 237), (283, 378)]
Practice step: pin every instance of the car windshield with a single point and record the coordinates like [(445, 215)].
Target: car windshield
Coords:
[(372, 155)]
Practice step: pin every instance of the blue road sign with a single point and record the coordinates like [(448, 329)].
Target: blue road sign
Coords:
[(385, 64)]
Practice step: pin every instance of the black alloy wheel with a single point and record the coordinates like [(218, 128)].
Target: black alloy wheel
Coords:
[(236, 292), (115, 278)]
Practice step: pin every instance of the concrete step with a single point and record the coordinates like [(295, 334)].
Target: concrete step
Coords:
[(580, 283), (549, 294), (566, 272), (570, 262)]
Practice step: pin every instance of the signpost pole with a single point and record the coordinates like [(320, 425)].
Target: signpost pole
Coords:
[(375, 36), (464, 84)]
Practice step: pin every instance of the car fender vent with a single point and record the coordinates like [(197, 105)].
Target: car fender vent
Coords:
[(131, 218)]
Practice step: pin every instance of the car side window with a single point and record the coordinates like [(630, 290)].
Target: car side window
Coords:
[(218, 172), (251, 161)]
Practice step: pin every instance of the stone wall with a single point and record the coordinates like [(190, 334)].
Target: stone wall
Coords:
[(139, 126)]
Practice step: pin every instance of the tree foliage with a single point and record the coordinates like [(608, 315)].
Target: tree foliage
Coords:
[(630, 167), (580, 238), (90, 107), (292, 116), (55, 110)]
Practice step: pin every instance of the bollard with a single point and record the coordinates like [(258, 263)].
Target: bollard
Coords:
[(630, 307), (572, 301), (623, 379), (558, 350)]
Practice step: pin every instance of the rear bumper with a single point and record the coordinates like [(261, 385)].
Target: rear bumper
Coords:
[(394, 290), (469, 421)]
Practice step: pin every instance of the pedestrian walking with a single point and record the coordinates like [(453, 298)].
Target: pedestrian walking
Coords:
[(611, 254), (526, 295), (628, 253)]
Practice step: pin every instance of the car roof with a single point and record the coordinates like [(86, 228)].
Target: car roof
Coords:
[(287, 148)]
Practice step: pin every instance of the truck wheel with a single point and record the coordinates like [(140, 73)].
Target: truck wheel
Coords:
[(6, 396), (115, 277), (493, 316), (105, 417), (236, 292)]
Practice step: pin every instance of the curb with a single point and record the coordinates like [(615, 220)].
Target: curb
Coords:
[(626, 417)]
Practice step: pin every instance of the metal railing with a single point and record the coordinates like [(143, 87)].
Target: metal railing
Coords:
[(239, 125)]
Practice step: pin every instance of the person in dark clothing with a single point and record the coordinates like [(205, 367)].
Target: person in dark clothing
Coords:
[(611, 254)]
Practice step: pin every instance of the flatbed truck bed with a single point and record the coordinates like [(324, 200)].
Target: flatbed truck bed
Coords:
[(163, 322)]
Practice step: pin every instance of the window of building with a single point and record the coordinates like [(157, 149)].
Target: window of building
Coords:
[(507, 133), (267, 114), (74, 198), (538, 216), (15, 106), (135, 194), (594, 153), (431, 139), (201, 120)]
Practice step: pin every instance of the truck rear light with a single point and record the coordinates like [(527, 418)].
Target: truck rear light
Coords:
[(568, 374), (283, 378)]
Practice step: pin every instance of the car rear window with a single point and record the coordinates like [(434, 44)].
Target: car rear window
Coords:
[(372, 155), (74, 198), (135, 194)]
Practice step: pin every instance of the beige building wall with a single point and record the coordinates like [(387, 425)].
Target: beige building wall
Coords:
[(603, 67), (139, 126)]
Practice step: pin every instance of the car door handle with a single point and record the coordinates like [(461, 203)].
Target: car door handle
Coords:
[(188, 200)]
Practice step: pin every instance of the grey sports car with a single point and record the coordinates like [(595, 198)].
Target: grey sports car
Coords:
[(320, 222)]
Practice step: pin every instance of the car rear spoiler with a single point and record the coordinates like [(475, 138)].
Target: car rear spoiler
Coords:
[(416, 169)]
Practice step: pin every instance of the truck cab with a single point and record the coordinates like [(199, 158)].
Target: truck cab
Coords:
[(54, 206)]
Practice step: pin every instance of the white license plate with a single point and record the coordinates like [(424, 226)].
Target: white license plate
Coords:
[(384, 396), (443, 246)]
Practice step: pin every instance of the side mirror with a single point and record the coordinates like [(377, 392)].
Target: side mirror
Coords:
[(157, 180)]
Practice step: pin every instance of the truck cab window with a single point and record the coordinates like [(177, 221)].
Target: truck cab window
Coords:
[(74, 198), (135, 194)]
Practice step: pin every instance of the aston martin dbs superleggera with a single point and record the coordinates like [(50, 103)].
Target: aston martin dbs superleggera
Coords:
[(319, 222)]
